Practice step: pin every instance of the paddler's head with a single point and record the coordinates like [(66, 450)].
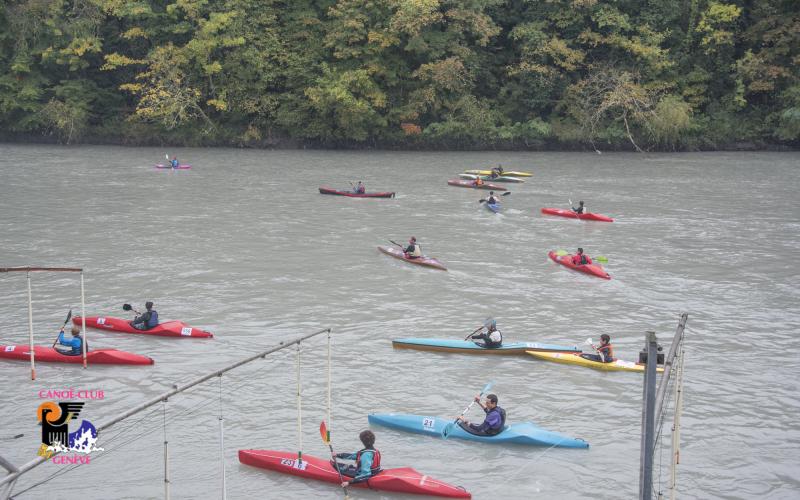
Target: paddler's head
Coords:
[(580, 251), (412, 240), (491, 401), (148, 305), (75, 331), (605, 339), (580, 203), (491, 193), (367, 438)]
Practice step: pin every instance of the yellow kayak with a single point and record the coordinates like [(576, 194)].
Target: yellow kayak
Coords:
[(575, 359), (505, 172)]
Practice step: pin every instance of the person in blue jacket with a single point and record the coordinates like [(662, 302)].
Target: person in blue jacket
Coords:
[(493, 424), (147, 320), (76, 342), (367, 461), (174, 162)]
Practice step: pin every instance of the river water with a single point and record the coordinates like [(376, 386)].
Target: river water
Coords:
[(244, 246)]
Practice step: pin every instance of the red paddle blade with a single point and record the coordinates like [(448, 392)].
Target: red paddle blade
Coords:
[(323, 431)]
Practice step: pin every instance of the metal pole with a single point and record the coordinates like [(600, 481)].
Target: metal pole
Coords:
[(330, 424), (30, 327), (676, 426), (176, 389), (648, 419), (677, 341), (83, 320)]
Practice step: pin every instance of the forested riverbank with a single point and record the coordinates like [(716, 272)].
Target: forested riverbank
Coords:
[(411, 74)]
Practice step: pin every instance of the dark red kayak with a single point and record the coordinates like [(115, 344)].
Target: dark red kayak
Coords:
[(471, 184), (401, 480), (572, 215), (47, 354), (592, 269), (327, 190), (420, 261), (165, 329)]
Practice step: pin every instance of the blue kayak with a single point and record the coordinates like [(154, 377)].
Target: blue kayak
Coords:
[(493, 207), (524, 433), (470, 347)]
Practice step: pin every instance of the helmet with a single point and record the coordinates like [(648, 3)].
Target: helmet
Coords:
[(490, 323), (491, 192), (148, 305), (413, 238), (580, 250)]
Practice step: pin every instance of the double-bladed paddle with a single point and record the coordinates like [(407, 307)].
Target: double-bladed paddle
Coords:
[(599, 258), (127, 307), (69, 315), (326, 438), (506, 193), (473, 333), (449, 427)]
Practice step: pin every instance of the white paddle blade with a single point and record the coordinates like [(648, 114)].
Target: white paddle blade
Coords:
[(589, 341)]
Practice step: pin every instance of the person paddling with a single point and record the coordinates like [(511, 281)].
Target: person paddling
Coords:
[(605, 352), (359, 188), (76, 342), (493, 424), (147, 320), (174, 162), (413, 250), (492, 337), (367, 461), (580, 258), (478, 181), (581, 209), (492, 199)]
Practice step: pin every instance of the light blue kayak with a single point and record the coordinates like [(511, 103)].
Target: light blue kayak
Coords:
[(470, 347), (525, 433), (494, 207)]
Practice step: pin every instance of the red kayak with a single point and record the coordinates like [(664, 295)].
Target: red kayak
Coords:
[(166, 329), (420, 261), (572, 215), (401, 480), (327, 190), (593, 269), (471, 184), (49, 355)]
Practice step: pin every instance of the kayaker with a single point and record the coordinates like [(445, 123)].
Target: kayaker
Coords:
[(413, 250), (492, 199), (174, 162), (76, 342), (493, 424), (492, 337), (581, 258), (581, 208), (605, 351), (147, 320), (478, 181), (367, 461), (360, 188)]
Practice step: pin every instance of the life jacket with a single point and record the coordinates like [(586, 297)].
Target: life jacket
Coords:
[(174, 163), (494, 337), (478, 181), (608, 352), (492, 200), (502, 412), (376, 460), (415, 252), (152, 322), (580, 260)]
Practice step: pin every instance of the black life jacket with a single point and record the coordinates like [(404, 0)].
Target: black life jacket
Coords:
[(583, 259), (376, 460)]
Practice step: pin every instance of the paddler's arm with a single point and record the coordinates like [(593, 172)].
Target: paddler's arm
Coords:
[(366, 468)]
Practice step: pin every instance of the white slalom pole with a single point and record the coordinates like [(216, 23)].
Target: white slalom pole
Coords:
[(222, 440), (83, 320), (30, 326), (166, 455), (330, 423), (299, 411)]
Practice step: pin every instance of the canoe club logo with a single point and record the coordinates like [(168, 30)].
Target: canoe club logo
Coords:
[(73, 447)]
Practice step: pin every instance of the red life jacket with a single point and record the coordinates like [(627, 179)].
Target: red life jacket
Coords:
[(582, 259), (376, 460)]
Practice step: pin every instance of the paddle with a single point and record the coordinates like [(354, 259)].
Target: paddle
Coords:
[(482, 200), (127, 307), (590, 343), (473, 333), (599, 258), (69, 315), (326, 438), (449, 427), (398, 244)]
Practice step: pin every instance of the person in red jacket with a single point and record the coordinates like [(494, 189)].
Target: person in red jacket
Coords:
[(605, 351), (581, 258)]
